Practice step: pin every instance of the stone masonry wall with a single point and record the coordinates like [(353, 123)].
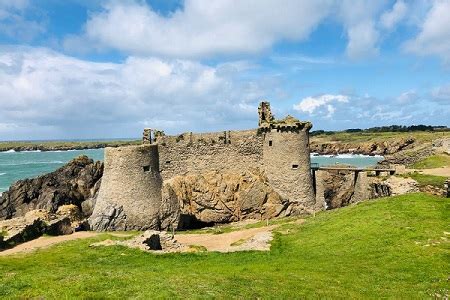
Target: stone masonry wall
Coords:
[(221, 151), (130, 194), (287, 165)]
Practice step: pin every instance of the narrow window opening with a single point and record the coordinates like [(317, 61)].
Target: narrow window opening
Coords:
[(146, 168), (167, 162), (270, 143), (294, 167)]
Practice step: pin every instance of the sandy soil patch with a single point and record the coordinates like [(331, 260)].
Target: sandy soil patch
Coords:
[(444, 171), (246, 239), (46, 241), (240, 240)]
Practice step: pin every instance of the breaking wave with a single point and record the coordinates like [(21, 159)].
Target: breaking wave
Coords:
[(33, 163)]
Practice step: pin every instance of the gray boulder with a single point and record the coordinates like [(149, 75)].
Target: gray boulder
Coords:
[(59, 226), (112, 217), (23, 229)]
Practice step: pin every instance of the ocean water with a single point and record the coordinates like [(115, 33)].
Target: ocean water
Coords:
[(356, 160), (28, 164)]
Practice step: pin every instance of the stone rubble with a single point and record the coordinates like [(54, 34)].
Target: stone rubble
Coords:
[(150, 240)]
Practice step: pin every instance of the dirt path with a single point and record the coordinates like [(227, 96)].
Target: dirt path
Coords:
[(243, 239), (252, 239), (46, 241), (444, 171)]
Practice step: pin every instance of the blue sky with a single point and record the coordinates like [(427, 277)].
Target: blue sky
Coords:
[(108, 68)]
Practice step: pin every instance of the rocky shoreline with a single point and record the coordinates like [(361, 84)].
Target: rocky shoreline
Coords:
[(75, 183), (365, 148), (61, 146)]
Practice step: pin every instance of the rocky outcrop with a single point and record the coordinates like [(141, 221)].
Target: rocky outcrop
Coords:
[(405, 151), (22, 229), (400, 185), (74, 183), (340, 188), (197, 200), (201, 199), (410, 156), (368, 148), (111, 217), (62, 146), (36, 223)]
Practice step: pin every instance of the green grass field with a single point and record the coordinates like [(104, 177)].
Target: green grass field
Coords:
[(434, 161), (388, 248), (425, 179)]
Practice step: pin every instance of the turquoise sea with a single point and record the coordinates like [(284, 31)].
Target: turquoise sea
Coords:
[(27, 164)]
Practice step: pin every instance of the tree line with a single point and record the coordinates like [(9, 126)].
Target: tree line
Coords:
[(391, 128)]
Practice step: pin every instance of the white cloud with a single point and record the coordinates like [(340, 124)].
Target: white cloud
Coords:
[(224, 27), (15, 5), (13, 22), (441, 94), (363, 39), (434, 35), (220, 27), (311, 104), (407, 97), (390, 18), (50, 95), (302, 59), (358, 18)]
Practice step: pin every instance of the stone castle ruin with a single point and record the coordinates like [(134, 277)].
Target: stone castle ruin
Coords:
[(193, 180)]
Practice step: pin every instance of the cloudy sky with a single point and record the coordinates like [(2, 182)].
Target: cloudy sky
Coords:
[(108, 68)]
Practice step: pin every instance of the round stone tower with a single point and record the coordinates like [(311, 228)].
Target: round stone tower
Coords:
[(287, 161), (130, 192)]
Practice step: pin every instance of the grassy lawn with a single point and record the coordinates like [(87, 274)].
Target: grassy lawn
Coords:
[(435, 161), (393, 247), (425, 179)]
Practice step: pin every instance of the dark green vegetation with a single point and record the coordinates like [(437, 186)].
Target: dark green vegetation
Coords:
[(62, 145), (389, 248), (392, 128), (357, 137), (434, 161)]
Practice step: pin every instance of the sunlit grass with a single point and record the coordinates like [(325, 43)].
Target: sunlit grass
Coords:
[(388, 248), (434, 161)]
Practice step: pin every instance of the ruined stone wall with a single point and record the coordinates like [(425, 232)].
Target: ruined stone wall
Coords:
[(287, 165), (220, 151), (130, 194)]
